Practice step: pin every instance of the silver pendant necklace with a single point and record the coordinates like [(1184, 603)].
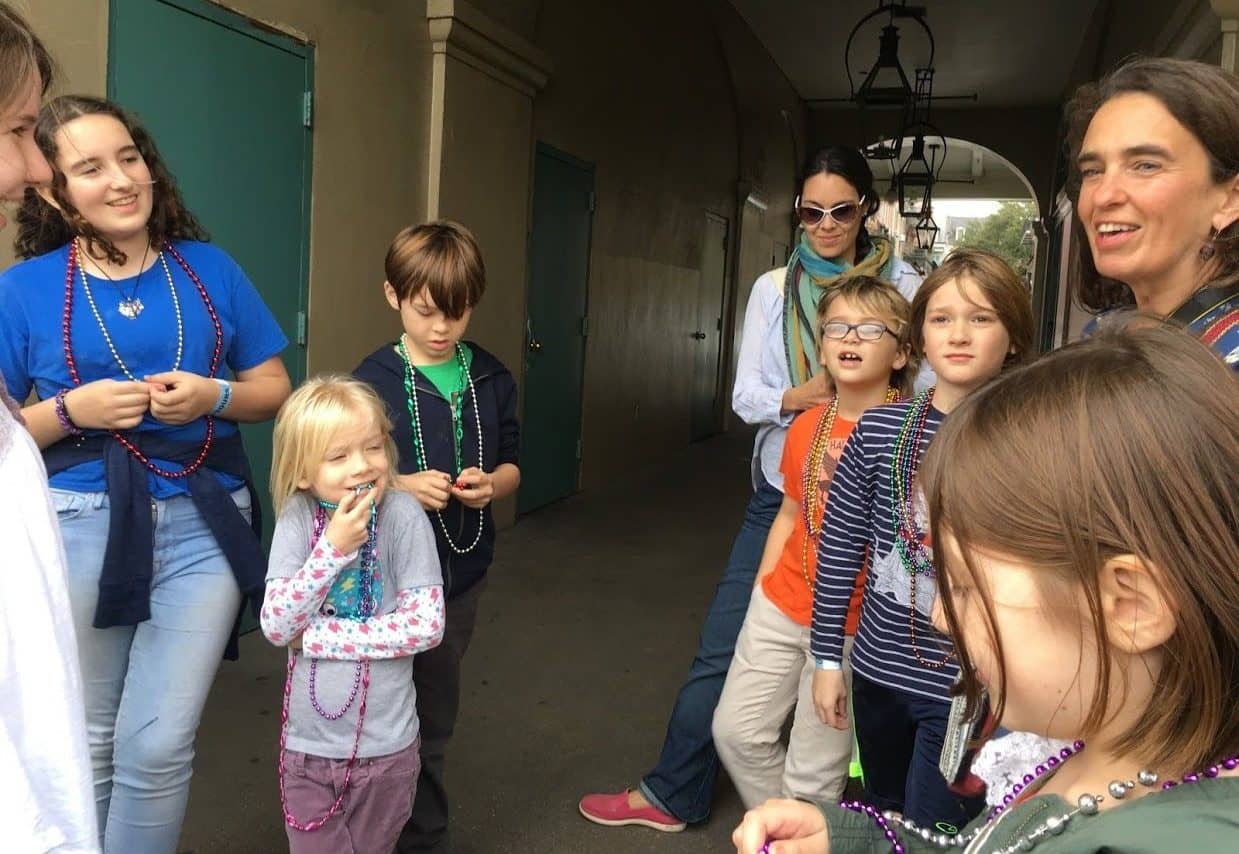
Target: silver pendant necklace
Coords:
[(107, 338), (130, 306)]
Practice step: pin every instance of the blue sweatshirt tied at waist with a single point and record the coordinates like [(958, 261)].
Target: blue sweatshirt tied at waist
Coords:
[(125, 582)]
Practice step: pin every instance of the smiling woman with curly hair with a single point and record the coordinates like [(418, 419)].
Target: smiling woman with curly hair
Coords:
[(127, 327)]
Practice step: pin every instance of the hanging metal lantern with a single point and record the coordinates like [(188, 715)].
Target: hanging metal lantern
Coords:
[(915, 181), (926, 230)]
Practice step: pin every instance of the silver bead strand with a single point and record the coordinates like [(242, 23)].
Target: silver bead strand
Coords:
[(107, 339), (421, 443)]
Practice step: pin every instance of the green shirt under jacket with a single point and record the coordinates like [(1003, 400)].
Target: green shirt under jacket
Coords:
[(1200, 816)]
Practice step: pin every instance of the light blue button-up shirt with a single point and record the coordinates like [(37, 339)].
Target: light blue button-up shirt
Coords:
[(762, 375)]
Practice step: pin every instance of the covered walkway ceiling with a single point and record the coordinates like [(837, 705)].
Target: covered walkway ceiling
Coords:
[(1007, 52)]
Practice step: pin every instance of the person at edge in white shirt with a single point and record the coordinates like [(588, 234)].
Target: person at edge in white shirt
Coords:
[(45, 778)]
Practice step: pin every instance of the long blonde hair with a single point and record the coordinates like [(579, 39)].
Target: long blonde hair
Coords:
[(308, 422)]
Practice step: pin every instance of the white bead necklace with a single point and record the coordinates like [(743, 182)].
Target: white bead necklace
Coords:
[(419, 443), (176, 306)]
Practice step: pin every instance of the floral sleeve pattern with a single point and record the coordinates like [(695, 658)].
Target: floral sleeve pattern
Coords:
[(291, 603), (415, 626)]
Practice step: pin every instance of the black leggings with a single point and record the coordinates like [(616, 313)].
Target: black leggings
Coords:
[(900, 737)]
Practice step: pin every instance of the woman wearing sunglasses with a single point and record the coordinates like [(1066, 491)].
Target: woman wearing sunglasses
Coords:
[(778, 376)]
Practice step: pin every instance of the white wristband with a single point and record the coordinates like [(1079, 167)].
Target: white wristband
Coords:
[(225, 396), (826, 664)]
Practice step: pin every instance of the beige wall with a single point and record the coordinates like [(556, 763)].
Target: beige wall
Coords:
[(369, 175), (679, 118), (648, 98)]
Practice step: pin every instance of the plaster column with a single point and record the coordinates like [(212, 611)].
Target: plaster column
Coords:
[(483, 81), (1228, 13)]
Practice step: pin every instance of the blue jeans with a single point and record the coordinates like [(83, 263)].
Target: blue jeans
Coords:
[(900, 738), (145, 685), (682, 783)]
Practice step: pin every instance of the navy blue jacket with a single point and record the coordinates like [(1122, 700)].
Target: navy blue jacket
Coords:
[(496, 390)]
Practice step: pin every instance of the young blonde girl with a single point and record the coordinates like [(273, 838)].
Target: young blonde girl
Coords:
[(864, 327), (971, 318), (354, 590), (1086, 511)]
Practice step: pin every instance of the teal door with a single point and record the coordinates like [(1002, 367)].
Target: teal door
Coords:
[(555, 327), (705, 413), (228, 106)]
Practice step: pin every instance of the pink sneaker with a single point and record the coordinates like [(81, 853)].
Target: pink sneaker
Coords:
[(614, 811)]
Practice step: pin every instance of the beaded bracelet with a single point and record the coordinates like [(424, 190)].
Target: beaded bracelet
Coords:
[(62, 415), (225, 396)]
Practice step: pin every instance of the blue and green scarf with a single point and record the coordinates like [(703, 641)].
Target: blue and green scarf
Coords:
[(809, 276)]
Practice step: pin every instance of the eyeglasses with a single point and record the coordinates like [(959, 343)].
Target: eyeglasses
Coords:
[(844, 213), (871, 330)]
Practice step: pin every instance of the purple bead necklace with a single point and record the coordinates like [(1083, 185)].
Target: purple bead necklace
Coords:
[(1086, 805), (361, 677)]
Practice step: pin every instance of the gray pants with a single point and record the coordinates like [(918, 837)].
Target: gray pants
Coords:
[(771, 674), (436, 675)]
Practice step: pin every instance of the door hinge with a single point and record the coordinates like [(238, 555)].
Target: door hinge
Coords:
[(593, 201), (585, 326), (307, 109), (301, 325)]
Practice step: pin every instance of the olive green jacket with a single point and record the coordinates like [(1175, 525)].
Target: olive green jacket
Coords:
[(1201, 816)]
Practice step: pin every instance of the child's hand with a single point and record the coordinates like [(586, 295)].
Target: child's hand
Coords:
[(108, 405), (179, 397), (800, 827), (430, 488), (474, 488), (830, 698), (347, 529)]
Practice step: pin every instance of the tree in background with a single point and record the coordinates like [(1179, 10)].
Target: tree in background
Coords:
[(1002, 232)]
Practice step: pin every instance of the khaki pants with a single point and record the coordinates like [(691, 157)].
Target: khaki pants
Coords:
[(772, 673)]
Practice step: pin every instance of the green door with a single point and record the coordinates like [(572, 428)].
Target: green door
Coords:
[(228, 106), (555, 327)]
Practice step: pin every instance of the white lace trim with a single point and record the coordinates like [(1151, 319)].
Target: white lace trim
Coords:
[(1003, 762)]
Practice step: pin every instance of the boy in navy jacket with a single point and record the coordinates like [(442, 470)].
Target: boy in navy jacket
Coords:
[(453, 405)]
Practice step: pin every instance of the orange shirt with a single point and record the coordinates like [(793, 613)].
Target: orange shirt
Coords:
[(786, 585)]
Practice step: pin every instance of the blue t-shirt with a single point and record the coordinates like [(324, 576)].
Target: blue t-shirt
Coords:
[(32, 298)]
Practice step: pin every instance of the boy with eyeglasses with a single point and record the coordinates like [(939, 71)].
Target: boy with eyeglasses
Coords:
[(864, 330)]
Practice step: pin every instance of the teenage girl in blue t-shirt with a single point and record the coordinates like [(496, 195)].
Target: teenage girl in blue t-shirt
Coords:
[(126, 326)]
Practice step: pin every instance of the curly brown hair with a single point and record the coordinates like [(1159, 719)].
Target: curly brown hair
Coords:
[(42, 228)]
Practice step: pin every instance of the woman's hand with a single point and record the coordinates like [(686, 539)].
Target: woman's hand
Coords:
[(179, 397), (474, 488), (430, 488), (815, 391), (830, 698), (800, 827), (108, 405), (349, 525)]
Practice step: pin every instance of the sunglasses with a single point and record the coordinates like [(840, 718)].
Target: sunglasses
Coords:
[(837, 330), (844, 213)]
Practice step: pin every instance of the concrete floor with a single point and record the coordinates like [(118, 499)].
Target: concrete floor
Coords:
[(585, 633)]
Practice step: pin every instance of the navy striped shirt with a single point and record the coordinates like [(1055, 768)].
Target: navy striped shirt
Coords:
[(859, 522)]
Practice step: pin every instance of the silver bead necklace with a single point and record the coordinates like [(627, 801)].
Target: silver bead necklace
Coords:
[(419, 447), (107, 339), (1086, 805)]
